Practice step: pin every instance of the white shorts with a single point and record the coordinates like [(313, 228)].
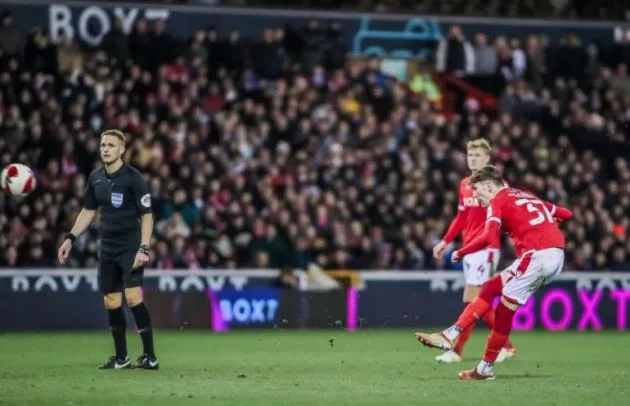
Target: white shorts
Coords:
[(531, 271), (480, 266)]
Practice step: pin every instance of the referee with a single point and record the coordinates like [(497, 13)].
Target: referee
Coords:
[(122, 196)]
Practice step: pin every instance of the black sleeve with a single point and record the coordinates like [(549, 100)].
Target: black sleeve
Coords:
[(89, 197), (141, 194)]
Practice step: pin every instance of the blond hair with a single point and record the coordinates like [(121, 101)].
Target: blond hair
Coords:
[(116, 133), (480, 143)]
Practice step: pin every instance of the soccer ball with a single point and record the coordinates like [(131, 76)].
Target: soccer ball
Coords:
[(17, 179)]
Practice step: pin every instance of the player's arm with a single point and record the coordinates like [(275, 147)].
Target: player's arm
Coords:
[(85, 217), (558, 212), (142, 198), (457, 225), (489, 237), (146, 228), (82, 222), (454, 229)]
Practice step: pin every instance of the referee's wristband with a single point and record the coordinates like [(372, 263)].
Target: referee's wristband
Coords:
[(145, 249), (71, 237)]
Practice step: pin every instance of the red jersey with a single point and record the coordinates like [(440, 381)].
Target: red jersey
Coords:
[(471, 217), (529, 221)]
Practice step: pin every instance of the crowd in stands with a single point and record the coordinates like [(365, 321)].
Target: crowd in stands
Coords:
[(270, 152), (557, 9)]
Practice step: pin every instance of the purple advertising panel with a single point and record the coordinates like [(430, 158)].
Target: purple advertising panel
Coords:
[(574, 301), (228, 300)]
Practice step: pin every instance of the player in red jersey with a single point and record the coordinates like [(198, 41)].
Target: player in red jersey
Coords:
[(532, 225), (478, 265)]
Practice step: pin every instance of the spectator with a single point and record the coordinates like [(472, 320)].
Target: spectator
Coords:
[(13, 128), (69, 57), (314, 52), (619, 81), (485, 57), (172, 227), (505, 59), (213, 50), (536, 65), (10, 258), (140, 45), (519, 59), (286, 280), (233, 54), (198, 48), (162, 44), (570, 59), (40, 53), (619, 260), (115, 44), (10, 40), (269, 56), (455, 54), (337, 49)]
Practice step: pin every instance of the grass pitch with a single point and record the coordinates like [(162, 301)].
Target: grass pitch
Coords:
[(311, 368)]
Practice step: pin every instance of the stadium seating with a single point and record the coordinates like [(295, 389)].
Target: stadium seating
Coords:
[(564, 9), (267, 153)]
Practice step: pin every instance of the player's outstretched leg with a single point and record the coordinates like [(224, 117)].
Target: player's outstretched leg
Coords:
[(446, 339), (117, 325), (496, 341), (463, 338), (147, 360), (455, 355)]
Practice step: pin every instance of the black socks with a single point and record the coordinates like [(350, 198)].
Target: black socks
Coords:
[(117, 326), (143, 322)]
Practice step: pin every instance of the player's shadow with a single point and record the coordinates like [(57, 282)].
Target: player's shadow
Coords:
[(499, 377), (524, 376)]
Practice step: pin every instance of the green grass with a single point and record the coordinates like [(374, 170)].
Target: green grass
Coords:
[(311, 368)]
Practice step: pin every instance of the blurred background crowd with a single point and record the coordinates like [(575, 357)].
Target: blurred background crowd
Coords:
[(277, 152), (564, 9)]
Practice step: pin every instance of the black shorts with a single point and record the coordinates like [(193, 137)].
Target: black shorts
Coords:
[(115, 273)]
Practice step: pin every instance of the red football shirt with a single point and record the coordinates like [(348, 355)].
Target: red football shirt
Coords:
[(471, 217), (528, 220)]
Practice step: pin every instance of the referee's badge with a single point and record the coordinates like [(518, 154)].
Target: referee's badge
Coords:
[(146, 200), (117, 199)]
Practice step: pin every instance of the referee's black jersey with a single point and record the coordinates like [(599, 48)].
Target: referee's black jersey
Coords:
[(121, 198)]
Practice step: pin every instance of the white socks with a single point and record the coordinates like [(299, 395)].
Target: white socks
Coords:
[(452, 333), (485, 368)]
